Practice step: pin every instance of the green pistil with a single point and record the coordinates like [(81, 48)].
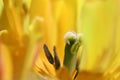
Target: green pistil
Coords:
[(71, 50)]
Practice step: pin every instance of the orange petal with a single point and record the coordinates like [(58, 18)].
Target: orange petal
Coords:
[(63, 74), (84, 75)]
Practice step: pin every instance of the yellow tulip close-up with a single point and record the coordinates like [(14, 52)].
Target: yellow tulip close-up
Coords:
[(59, 39)]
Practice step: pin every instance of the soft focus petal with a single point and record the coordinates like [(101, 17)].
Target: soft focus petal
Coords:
[(6, 67), (67, 22), (79, 11), (1, 6), (49, 28), (98, 29), (33, 48)]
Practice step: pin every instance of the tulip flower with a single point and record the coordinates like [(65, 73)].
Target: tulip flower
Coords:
[(59, 40)]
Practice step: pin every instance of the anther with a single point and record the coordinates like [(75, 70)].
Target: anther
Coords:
[(56, 59), (48, 54)]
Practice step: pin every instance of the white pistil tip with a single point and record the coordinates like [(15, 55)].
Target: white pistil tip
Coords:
[(70, 36), (79, 36)]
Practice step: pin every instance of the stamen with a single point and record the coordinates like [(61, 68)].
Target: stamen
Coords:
[(56, 58), (48, 54)]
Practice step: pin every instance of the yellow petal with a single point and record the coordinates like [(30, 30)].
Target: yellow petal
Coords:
[(79, 10), (67, 22), (57, 6), (98, 27), (116, 54), (1, 6), (45, 11)]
